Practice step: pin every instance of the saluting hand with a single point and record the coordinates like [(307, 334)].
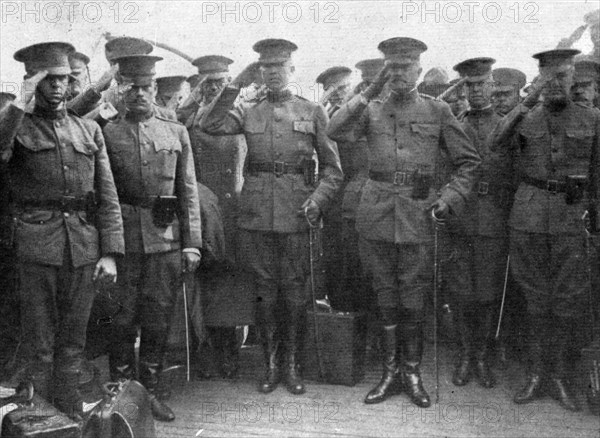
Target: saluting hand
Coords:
[(106, 78), (106, 270), (246, 77), (378, 83), (28, 90)]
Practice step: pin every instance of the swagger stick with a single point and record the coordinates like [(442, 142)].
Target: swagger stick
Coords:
[(503, 296), (187, 329), (435, 314)]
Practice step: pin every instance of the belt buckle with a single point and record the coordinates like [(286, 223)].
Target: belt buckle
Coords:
[(66, 202), (552, 186), (400, 178), (278, 168), (484, 188)]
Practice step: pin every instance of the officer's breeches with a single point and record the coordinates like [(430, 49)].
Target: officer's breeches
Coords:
[(551, 271), (402, 274), (280, 262), (476, 268), (55, 307), (147, 288)]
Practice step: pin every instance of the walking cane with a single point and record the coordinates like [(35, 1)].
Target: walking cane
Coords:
[(503, 296), (187, 328), (435, 314)]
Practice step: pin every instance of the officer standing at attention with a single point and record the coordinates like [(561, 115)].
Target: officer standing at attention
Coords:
[(479, 237), (280, 197), (406, 133), (554, 140), (154, 174), (67, 221), (586, 82), (508, 83)]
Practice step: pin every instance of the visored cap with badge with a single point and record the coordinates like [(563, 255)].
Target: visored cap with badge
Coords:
[(333, 75), (213, 66), (273, 50), (507, 79), (169, 85), (126, 46), (52, 57), (402, 50), (138, 69), (369, 68), (475, 69), (587, 71), (556, 57)]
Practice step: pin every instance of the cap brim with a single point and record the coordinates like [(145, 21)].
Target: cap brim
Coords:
[(58, 71), (503, 88), (479, 78)]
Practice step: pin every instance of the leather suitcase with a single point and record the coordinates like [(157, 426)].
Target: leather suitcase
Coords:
[(343, 339), (123, 413), (38, 419)]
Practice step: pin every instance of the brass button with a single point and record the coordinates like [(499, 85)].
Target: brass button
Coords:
[(229, 171), (65, 214), (227, 195), (145, 162), (66, 167), (277, 135)]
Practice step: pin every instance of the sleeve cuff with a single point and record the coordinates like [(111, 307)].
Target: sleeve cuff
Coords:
[(191, 250)]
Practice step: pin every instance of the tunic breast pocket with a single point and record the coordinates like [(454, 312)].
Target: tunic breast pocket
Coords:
[(254, 131), (166, 159), (85, 159), (426, 137), (579, 142)]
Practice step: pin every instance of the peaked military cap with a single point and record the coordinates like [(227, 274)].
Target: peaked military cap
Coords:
[(140, 69), (126, 46), (556, 57), (475, 69), (402, 49), (436, 75), (333, 75), (78, 56), (193, 80), (369, 68), (507, 79), (215, 66), (170, 84), (52, 57), (273, 50), (587, 70)]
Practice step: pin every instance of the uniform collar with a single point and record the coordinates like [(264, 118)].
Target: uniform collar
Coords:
[(481, 112), (411, 96), (279, 96), (51, 114), (138, 118)]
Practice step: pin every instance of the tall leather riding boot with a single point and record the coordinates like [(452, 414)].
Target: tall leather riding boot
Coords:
[(391, 381), (561, 388), (66, 395), (412, 334), (294, 382), (462, 372), (270, 348), (149, 377), (483, 335), (535, 375)]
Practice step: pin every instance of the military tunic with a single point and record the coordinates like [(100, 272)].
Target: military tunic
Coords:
[(286, 129), (396, 231), (479, 237), (54, 161), (152, 157), (547, 243), (227, 289)]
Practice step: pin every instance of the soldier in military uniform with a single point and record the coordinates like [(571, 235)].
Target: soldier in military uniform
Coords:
[(547, 241), (508, 83), (407, 134), (66, 215), (80, 78), (154, 174), (457, 98), (586, 82), (280, 198), (336, 85), (170, 91), (479, 237), (226, 287)]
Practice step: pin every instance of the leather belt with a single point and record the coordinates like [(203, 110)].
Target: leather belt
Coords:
[(485, 188), (64, 203), (396, 178), (138, 201), (277, 167), (550, 185)]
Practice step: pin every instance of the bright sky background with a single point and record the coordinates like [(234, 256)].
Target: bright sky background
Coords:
[(342, 33)]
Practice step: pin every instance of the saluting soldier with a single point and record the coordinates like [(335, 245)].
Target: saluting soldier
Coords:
[(479, 237), (227, 290), (170, 91), (80, 78), (547, 239), (586, 82), (67, 221), (154, 174), (279, 198), (508, 83), (407, 134), (336, 85), (457, 99)]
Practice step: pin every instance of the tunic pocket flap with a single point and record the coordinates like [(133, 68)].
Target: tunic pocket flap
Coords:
[(35, 144), (579, 134), (87, 148), (164, 146), (304, 126), (425, 128)]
